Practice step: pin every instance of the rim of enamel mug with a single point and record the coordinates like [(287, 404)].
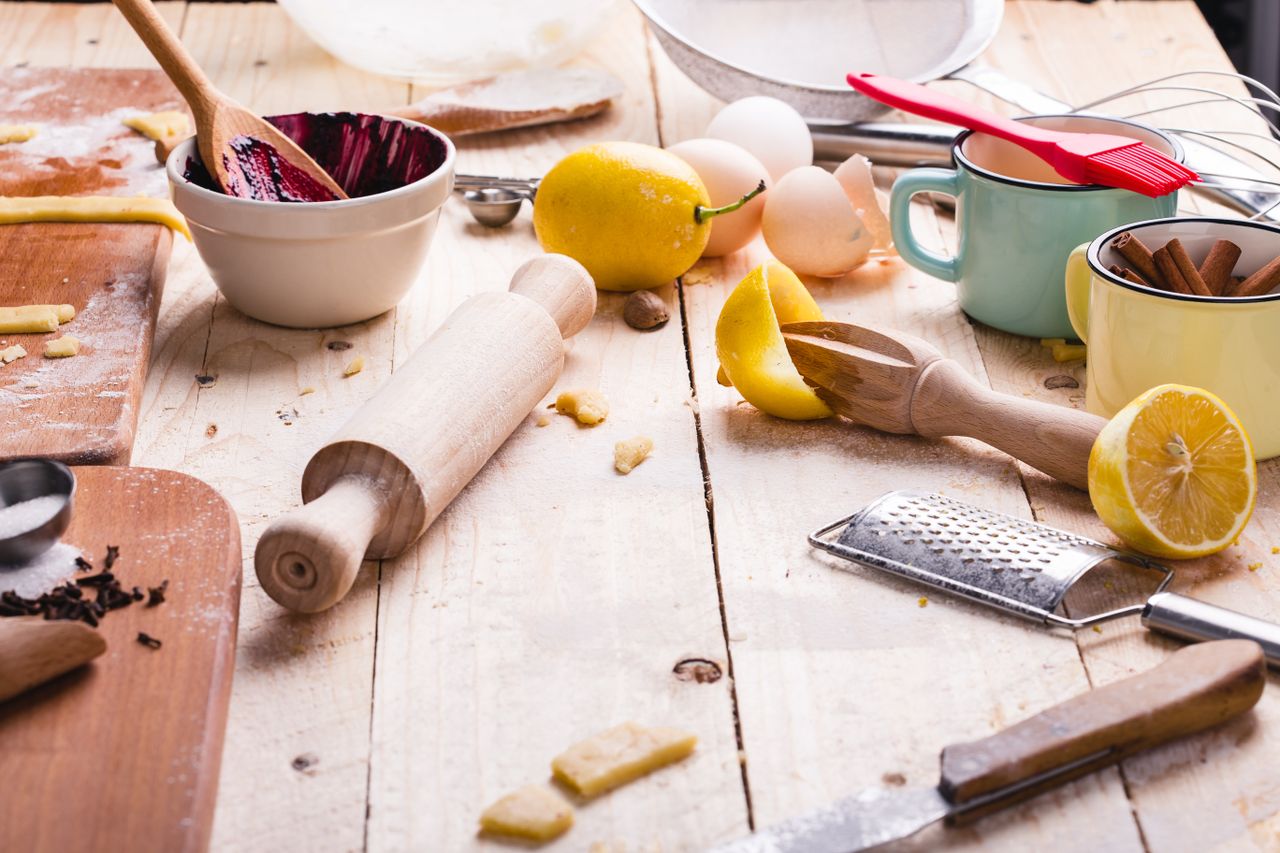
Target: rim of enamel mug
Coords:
[(1095, 263), (958, 155)]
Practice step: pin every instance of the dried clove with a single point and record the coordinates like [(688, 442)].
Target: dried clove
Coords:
[(149, 641), (155, 594), (113, 553)]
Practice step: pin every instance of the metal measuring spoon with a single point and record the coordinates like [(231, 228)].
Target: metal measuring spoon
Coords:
[(494, 202), (24, 480)]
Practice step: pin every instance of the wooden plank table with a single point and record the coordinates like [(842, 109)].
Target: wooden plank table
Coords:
[(555, 598)]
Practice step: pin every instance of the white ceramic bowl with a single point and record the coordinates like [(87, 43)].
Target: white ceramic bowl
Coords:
[(318, 264)]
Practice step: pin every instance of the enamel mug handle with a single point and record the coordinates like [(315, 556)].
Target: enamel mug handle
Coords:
[(1079, 277), (906, 187)]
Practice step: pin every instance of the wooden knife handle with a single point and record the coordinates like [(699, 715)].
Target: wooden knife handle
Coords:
[(1196, 688), (1054, 439)]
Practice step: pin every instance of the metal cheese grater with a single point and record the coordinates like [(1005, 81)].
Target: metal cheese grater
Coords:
[(1017, 566)]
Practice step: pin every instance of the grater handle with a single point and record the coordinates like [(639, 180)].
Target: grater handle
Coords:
[(1195, 688), (1055, 439), (1194, 620)]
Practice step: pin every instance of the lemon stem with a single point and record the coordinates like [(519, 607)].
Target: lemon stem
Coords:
[(702, 214)]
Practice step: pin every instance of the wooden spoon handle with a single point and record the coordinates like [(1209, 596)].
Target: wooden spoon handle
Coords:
[(1196, 688), (164, 45), (1054, 439)]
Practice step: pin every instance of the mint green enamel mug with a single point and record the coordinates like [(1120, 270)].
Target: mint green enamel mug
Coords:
[(1017, 221)]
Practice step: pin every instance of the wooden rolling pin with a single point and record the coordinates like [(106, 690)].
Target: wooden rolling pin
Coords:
[(32, 651), (373, 489), (898, 383)]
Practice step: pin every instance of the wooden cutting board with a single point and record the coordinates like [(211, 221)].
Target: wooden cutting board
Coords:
[(123, 754), (81, 410)]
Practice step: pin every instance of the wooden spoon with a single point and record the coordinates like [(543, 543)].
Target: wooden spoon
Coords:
[(246, 156), (32, 651), (506, 102), (898, 383)]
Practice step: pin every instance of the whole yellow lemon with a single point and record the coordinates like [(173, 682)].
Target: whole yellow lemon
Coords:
[(632, 214)]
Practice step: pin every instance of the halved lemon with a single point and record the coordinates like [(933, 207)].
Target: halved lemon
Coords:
[(1173, 473), (753, 355)]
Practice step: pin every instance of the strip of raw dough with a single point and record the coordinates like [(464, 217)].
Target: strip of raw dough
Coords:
[(32, 323), (160, 125), (63, 347), (64, 313), (534, 812), (17, 132), (91, 208), (620, 755)]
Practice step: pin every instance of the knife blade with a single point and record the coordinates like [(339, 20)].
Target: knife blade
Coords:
[(1196, 688)]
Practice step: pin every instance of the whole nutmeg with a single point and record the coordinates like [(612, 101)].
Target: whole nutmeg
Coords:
[(645, 310)]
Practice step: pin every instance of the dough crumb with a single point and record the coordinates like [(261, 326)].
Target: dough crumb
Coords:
[(310, 389), (157, 126), (620, 755), (1068, 352), (63, 347), (543, 420), (698, 274), (629, 453), (923, 602), (17, 132), (534, 812), (589, 407), (12, 354), (355, 366)]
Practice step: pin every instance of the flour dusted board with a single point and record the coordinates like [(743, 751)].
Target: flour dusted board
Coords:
[(124, 753), (81, 410)]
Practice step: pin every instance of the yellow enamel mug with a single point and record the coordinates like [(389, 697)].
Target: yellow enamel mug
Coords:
[(1140, 337)]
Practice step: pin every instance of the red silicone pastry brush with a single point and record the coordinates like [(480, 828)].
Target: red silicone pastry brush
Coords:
[(1082, 158)]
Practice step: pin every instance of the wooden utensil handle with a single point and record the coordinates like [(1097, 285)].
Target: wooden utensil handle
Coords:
[(1054, 439), (395, 466), (1196, 688), (34, 651), (168, 50)]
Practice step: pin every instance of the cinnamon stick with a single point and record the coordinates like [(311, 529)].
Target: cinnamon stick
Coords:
[(1127, 274), (1139, 257), (1263, 281), (1186, 268), (1218, 264), (1169, 271)]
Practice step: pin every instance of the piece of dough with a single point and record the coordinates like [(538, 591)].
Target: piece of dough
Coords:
[(63, 347), (535, 812), (17, 132), (587, 407), (355, 366), (30, 323), (620, 755), (91, 208), (160, 125), (64, 313), (13, 353), (630, 452)]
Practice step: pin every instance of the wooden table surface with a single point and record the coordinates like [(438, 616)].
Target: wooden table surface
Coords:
[(555, 598)]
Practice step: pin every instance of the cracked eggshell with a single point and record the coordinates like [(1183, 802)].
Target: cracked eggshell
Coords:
[(729, 173), (868, 202), (811, 227), (772, 131)]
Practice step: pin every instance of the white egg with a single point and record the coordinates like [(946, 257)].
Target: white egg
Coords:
[(811, 227), (868, 202), (767, 128), (729, 173)]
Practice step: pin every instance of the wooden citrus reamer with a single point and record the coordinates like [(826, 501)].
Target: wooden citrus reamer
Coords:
[(377, 485), (898, 383), (218, 118)]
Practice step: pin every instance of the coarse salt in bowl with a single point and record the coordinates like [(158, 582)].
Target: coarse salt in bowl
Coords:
[(332, 263)]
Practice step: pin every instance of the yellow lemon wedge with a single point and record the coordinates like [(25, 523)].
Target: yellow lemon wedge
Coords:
[(1173, 473), (753, 356)]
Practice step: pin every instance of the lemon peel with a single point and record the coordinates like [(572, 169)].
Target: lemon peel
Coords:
[(1173, 473), (749, 343)]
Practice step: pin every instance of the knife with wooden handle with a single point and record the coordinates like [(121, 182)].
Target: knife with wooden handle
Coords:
[(892, 381), (1196, 688)]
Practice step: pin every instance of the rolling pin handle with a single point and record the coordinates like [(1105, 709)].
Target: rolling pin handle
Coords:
[(308, 559), (560, 285)]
